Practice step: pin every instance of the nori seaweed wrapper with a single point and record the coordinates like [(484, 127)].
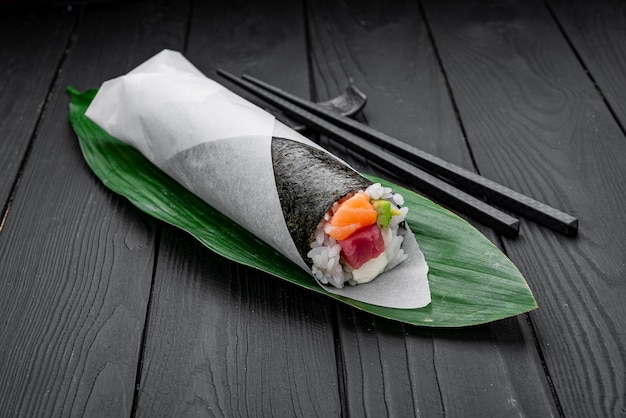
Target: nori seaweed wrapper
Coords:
[(309, 181)]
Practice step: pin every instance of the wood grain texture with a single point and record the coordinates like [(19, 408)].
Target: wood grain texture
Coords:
[(28, 67), (596, 31), (225, 340), (107, 312), (531, 113), (75, 260), (383, 375), (389, 370), (384, 49)]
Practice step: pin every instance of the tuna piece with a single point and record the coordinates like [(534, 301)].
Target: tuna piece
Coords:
[(362, 246)]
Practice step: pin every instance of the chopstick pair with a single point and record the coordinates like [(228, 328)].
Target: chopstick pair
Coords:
[(425, 171)]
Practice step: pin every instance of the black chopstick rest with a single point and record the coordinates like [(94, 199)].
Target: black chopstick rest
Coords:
[(473, 183), (429, 184)]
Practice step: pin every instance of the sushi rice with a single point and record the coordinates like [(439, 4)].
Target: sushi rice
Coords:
[(328, 267)]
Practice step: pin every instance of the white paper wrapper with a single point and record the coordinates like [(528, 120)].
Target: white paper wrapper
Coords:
[(218, 145)]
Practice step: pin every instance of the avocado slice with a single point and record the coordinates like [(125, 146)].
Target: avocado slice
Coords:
[(383, 208)]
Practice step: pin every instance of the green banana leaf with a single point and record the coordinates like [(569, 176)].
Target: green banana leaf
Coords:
[(471, 280)]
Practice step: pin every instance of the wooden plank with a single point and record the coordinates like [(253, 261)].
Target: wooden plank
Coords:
[(27, 68), (75, 260), (597, 31), (403, 371), (385, 50), (224, 339), (536, 123), (387, 55), (388, 370)]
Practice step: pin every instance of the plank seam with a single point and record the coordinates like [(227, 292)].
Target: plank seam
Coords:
[(309, 58), (499, 238), (144, 333), (581, 61), (33, 135), (188, 27), (544, 365), (585, 68), (157, 244), (453, 101), (439, 391), (341, 381), (408, 356)]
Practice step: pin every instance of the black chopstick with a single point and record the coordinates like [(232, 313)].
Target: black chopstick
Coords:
[(471, 182), (429, 184)]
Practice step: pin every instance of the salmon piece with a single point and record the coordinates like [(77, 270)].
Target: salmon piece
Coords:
[(352, 215), (341, 232)]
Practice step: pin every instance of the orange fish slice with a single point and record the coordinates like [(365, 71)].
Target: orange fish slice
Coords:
[(352, 215)]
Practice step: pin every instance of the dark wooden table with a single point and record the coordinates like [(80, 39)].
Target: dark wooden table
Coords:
[(105, 311)]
